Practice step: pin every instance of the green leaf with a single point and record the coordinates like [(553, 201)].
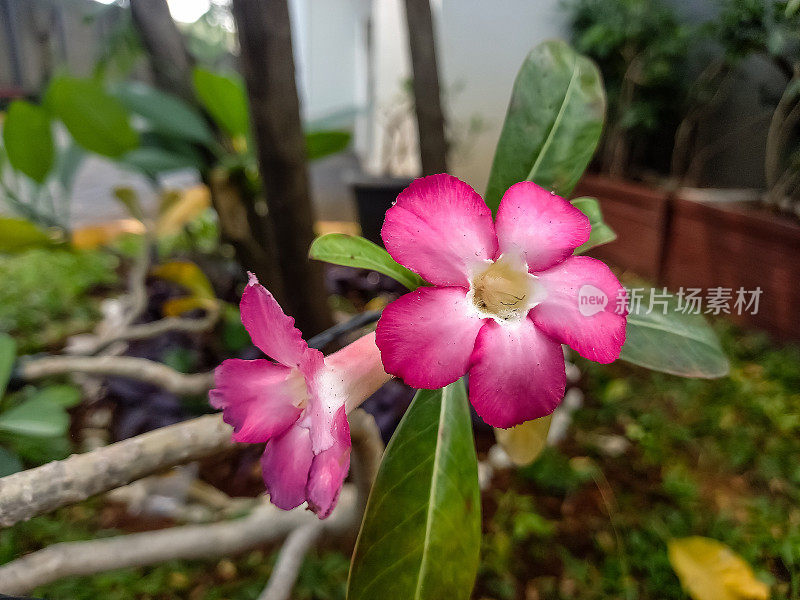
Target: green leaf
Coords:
[(421, 534), (320, 144), (152, 161), (129, 198), (9, 462), (62, 395), (671, 341), (553, 122), (29, 140), (225, 100), (8, 354), (165, 113), (601, 233), (96, 120), (17, 235), (35, 417), (69, 162), (36, 450), (355, 251)]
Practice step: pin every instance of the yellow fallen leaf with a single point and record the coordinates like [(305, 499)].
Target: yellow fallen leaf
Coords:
[(95, 236), (524, 442), (176, 212), (175, 307), (186, 274), (710, 570)]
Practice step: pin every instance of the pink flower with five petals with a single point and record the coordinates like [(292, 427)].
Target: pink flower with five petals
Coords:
[(298, 404), (505, 296)]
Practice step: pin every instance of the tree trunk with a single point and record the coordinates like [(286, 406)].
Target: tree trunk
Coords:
[(249, 231), (427, 96), (268, 66), (170, 60)]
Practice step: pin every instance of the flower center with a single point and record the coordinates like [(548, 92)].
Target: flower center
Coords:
[(504, 290)]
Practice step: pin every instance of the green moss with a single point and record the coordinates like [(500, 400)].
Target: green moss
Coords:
[(46, 294)]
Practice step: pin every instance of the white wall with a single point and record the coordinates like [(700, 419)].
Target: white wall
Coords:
[(330, 55), (481, 46)]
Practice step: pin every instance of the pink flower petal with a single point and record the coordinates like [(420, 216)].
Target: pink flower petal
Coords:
[(347, 378), (580, 308), (285, 465), (441, 229), (329, 469), (541, 227), (516, 373), (427, 336), (257, 397), (269, 327)]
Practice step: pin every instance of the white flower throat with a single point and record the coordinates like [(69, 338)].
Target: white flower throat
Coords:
[(505, 290)]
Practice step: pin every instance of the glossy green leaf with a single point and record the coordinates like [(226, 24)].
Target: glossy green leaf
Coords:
[(96, 120), (9, 462), (355, 251), (35, 417), (62, 395), (553, 122), (601, 233), (8, 354), (225, 100), (17, 235), (670, 341), (29, 140), (165, 113), (420, 539), (320, 144)]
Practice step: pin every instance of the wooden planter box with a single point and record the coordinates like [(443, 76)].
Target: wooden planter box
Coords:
[(705, 239), (733, 245), (638, 213)]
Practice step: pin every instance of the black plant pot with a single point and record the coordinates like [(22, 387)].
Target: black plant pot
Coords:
[(374, 196)]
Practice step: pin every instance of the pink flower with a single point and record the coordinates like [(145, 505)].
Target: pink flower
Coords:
[(298, 404), (505, 296)]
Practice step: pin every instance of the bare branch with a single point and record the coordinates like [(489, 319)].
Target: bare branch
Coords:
[(290, 559), (43, 489), (140, 369), (264, 525)]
